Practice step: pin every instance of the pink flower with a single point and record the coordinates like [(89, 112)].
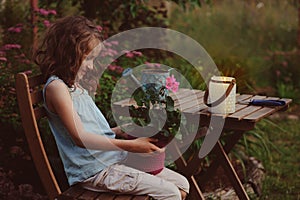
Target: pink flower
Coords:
[(15, 29), (107, 44), (284, 64), (25, 61), (137, 53), (149, 64), (11, 46), (112, 52), (53, 12), (112, 67), (99, 28), (115, 68), (152, 64), (44, 12), (172, 84), (46, 23), (28, 72), (129, 55), (3, 59), (114, 42)]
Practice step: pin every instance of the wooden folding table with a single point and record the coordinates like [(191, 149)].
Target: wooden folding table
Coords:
[(242, 120)]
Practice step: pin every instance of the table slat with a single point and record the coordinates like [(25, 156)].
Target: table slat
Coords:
[(243, 97), (244, 112), (180, 94), (188, 97), (256, 116), (195, 109), (259, 97), (287, 101), (272, 98)]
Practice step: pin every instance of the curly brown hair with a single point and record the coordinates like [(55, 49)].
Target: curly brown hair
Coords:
[(65, 45)]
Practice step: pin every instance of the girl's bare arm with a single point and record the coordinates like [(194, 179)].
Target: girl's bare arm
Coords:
[(59, 101)]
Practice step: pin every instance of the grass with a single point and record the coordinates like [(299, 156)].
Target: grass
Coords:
[(283, 166), (276, 143)]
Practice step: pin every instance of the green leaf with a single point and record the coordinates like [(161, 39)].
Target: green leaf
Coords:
[(169, 103), (139, 96), (165, 132)]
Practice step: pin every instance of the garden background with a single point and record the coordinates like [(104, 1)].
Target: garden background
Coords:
[(256, 41)]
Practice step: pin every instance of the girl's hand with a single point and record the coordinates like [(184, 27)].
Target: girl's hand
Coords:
[(145, 145)]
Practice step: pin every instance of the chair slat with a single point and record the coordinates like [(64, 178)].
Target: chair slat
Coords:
[(106, 196), (36, 97), (123, 197), (74, 192), (39, 112), (35, 81), (141, 198), (89, 195), (33, 135)]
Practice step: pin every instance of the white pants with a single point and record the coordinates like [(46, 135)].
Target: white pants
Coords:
[(119, 178)]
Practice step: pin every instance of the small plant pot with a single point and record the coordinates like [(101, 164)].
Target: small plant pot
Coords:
[(162, 139)]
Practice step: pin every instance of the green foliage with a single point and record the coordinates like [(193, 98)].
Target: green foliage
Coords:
[(242, 36), (285, 73), (152, 106), (117, 15), (103, 96)]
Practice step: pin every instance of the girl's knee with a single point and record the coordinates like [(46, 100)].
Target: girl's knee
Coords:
[(183, 194), (173, 192), (185, 185)]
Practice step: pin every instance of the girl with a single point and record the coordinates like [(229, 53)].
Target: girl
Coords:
[(91, 154)]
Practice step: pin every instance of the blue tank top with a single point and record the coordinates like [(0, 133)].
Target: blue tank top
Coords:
[(80, 163)]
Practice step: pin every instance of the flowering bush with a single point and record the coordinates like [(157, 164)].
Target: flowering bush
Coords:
[(15, 57)]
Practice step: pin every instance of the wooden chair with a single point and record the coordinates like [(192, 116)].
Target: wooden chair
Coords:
[(30, 101)]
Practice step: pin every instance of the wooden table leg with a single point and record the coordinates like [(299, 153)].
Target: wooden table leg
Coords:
[(229, 144), (195, 192), (230, 171)]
